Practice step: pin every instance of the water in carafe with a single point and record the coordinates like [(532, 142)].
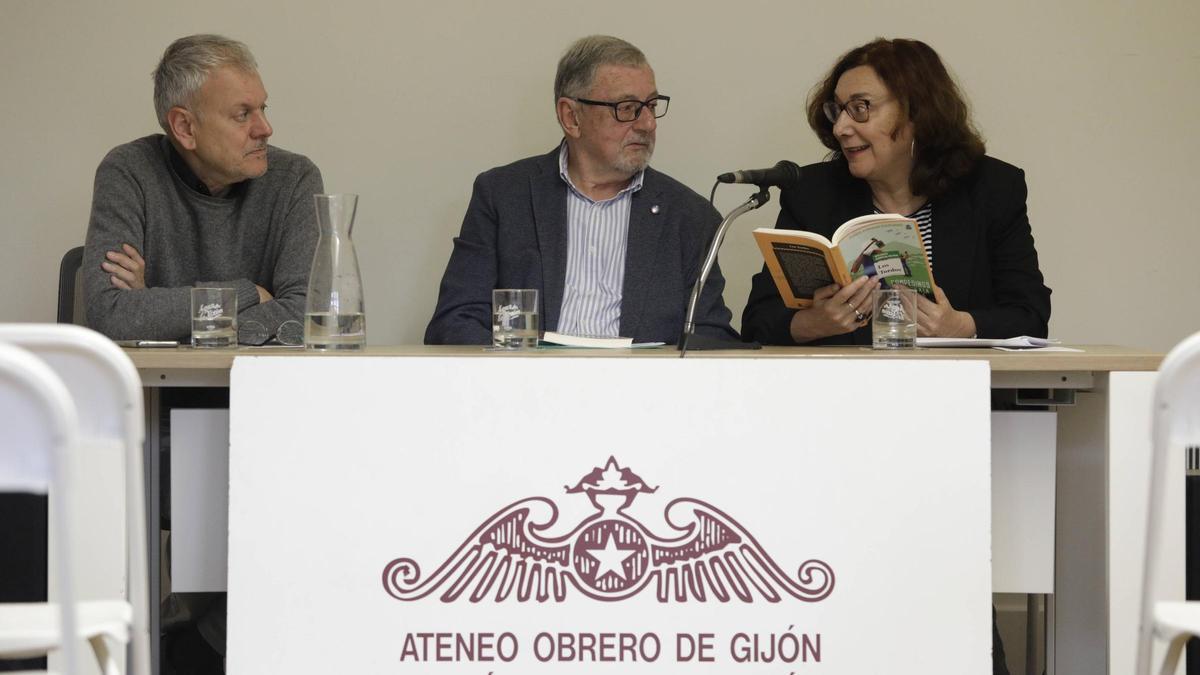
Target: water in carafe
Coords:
[(334, 318)]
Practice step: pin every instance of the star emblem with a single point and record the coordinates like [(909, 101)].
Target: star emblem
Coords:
[(611, 558)]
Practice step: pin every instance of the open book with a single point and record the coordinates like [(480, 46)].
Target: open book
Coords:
[(885, 245)]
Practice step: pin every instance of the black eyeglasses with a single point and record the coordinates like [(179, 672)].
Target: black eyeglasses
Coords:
[(859, 110), (628, 111)]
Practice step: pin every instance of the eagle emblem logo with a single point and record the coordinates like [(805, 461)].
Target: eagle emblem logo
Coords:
[(609, 556)]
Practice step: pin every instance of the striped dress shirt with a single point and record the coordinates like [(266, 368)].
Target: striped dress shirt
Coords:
[(597, 234)]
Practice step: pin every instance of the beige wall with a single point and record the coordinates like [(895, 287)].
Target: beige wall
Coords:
[(404, 103)]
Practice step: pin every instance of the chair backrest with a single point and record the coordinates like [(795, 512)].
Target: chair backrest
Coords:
[(108, 397), (1176, 425), (38, 431), (70, 309)]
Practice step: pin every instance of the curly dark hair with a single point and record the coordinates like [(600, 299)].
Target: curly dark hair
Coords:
[(947, 143)]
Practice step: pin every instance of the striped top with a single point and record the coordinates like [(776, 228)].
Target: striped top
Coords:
[(924, 218), (597, 234)]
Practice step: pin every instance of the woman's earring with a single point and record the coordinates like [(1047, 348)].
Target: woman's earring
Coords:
[(912, 148)]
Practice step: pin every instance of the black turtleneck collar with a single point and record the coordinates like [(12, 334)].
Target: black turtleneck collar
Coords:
[(190, 178)]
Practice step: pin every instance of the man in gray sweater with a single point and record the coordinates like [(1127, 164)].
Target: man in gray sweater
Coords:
[(208, 204)]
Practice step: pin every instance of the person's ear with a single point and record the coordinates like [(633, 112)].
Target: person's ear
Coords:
[(568, 116), (905, 131), (182, 124)]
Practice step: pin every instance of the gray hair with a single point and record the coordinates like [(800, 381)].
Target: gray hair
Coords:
[(577, 67), (186, 64)]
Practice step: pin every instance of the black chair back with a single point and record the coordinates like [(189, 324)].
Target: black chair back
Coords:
[(70, 292)]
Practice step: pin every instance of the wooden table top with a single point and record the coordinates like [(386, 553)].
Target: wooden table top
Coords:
[(1089, 358)]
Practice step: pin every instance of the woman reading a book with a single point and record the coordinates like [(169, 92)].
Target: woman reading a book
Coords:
[(902, 141)]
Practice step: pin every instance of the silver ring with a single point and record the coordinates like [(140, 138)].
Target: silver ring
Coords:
[(859, 315)]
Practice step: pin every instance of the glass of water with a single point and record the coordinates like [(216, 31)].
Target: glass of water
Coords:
[(214, 317), (894, 319), (514, 318)]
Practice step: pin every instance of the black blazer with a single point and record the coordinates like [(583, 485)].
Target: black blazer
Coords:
[(515, 236), (984, 257)]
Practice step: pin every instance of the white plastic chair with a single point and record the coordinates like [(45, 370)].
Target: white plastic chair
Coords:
[(1176, 421), (106, 389), (38, 429)]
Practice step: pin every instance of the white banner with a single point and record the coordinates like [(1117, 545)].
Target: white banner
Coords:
[(609, 515)]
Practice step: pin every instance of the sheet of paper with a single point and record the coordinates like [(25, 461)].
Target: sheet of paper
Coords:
[(1040, 349), (1019, 342)]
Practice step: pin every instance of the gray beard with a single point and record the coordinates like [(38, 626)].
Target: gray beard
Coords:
[(632, 166)]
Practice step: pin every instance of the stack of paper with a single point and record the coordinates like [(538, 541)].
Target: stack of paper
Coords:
[(592, 341), (1019, 342)]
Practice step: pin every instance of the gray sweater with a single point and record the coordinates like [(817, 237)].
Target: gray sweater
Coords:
[(263, 232)]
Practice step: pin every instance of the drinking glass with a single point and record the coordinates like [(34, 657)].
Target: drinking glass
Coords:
[(214, 317), (894, 319), (514, 318)]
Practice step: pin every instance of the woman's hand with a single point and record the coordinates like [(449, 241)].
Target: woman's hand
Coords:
[(835, 310), (940, 319)]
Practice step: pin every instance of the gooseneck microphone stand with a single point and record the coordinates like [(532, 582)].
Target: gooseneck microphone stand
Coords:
[(689, 324)]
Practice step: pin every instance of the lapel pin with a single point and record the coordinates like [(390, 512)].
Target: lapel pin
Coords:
[(654, 209)]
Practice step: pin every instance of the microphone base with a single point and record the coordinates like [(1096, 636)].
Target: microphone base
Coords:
[(701, 343)]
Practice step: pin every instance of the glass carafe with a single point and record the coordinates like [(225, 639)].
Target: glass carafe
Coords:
[(334, 318)]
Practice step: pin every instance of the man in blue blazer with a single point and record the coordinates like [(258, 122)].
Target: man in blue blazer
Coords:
[(613, 246)]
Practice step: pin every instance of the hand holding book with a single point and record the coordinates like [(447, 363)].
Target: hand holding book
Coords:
[(835, 310), (938, 318), (884, 246)]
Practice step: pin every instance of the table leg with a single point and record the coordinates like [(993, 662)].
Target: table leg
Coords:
[(153, 524), (1080, 628)]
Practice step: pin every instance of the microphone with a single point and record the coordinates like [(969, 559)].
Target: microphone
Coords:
[(783, 174)]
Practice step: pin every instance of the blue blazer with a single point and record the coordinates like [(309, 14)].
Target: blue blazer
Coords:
[(984, 257), (515, 236)]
